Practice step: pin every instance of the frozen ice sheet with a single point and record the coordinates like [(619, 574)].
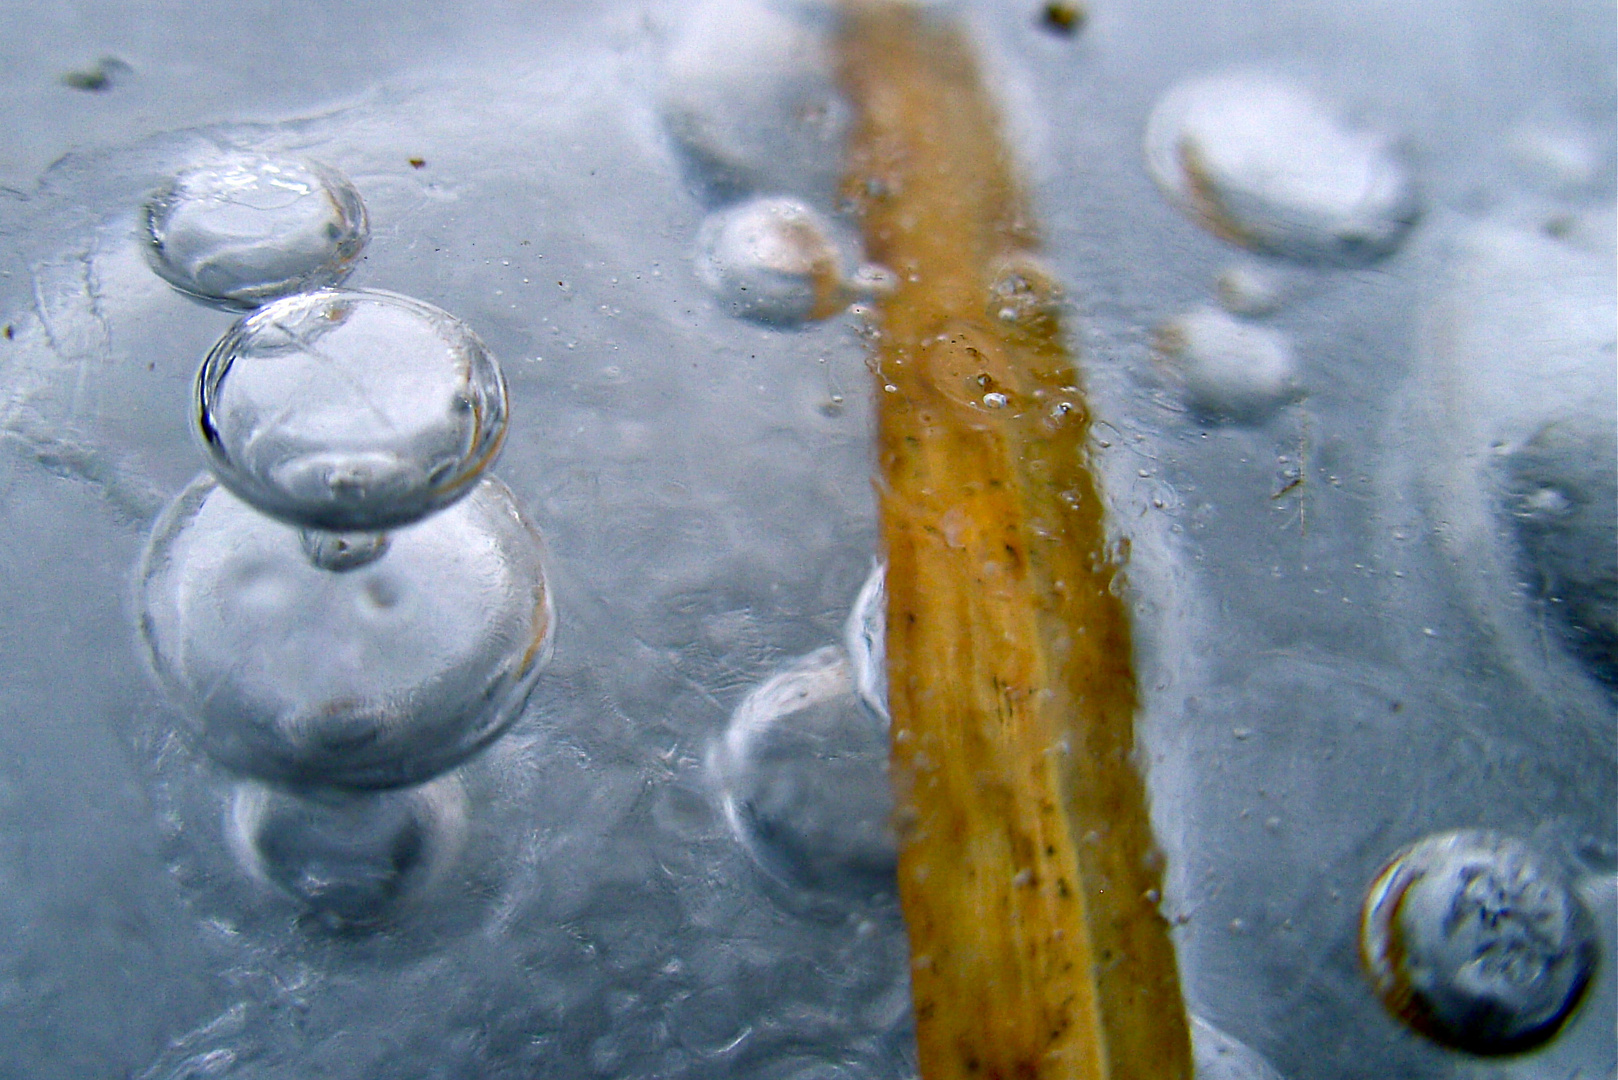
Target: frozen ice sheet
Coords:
[(1319, 687)]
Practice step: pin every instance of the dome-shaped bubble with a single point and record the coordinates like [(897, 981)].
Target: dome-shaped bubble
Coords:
[(803, 773), (387, 674), (771, 260), (1261, 162), (350, 410), (1229, 368), (1473, 940), (352, 858), (249, 228)]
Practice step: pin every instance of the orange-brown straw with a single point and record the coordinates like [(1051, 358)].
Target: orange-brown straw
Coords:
[(1027, 869)]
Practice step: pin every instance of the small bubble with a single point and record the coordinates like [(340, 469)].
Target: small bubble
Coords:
[(1228, 368), (350, 410), (1477, 943), (994, 401), (1025, 292), (1253, 291), (770, 260), (247, 229)]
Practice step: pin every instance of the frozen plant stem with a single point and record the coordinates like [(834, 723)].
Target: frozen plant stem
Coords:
[(1027, 870)]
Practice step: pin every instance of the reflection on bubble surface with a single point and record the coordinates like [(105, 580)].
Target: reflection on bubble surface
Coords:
[(250, 228), (350, 410), (387, 674)]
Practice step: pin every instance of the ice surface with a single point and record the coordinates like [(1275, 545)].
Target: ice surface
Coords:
[(1330, 669)]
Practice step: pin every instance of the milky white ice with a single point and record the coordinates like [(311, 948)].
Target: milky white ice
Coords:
[(1228, 368), (1260, 161)]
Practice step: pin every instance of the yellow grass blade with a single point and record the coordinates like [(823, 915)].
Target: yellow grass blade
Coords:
[(1027, 871)]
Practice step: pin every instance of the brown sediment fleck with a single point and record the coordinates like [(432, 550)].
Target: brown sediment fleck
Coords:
[(1006, 639)]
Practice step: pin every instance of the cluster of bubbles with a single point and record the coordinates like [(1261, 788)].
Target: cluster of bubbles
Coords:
[(751, 104), (1469, 937), (1261, 162), (347, 607)]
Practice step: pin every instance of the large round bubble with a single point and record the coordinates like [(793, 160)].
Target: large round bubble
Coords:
[(250, 228), (350, 410), (386, 674)]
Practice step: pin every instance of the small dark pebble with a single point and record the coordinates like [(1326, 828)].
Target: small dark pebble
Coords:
[(103, 75), (1065, 17)]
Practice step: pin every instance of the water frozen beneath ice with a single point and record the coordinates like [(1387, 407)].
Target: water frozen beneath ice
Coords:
[(1324, 678)]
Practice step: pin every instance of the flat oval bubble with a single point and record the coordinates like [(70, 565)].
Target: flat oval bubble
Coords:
[(770, 260), (351, 858), (1259, 161), (1228, 368), (350, 410), (387, 674), (803, 777), (249, 228), (1476, 942)]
